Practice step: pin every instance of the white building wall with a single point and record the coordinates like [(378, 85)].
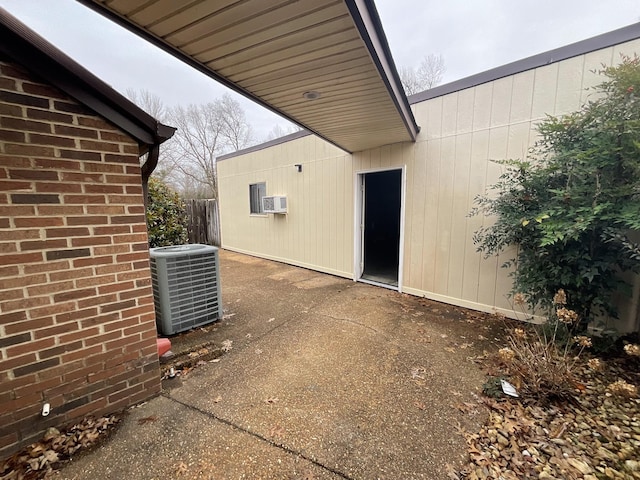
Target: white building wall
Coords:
[(446, 168)]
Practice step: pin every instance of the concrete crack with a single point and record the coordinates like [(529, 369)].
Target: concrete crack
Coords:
[(259, 437), (350, 321)]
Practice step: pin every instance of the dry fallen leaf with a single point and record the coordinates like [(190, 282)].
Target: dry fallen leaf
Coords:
[(451, 473), (276, 431), (181, 468), (149, 419)]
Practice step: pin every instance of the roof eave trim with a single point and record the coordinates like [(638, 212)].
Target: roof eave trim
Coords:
[(262, 146), (605, 40), (368, 23), (29, 49)]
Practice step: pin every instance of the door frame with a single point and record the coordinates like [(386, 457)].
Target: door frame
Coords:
[(358, 237)]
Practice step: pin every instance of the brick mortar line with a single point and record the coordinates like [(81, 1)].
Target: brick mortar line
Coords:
[(258, 436)]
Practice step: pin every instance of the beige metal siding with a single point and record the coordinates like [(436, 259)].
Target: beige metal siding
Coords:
[(445, 169), (319, 199)]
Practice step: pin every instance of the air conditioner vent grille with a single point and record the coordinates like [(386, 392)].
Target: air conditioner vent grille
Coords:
[(275, 204), (186, 287)]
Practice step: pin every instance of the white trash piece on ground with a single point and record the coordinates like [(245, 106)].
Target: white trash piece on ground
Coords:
[(509, 389)]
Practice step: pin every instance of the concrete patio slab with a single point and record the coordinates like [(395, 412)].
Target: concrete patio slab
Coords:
[(326, 378)]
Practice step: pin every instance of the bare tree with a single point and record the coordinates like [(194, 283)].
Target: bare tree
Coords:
[(278, 131), (204, 132), (149, 102), (428, 75), (154, 106), (235, 129)]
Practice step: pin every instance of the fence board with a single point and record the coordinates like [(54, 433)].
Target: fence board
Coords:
[(203, 221)]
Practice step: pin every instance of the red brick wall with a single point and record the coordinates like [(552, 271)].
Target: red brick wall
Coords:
[(77, 325)]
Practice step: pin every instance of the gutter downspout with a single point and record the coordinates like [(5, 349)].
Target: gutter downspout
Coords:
[(147, 169)]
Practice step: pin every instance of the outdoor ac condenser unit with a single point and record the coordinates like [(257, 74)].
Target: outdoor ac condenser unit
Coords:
[(276, 204), (186, 286)]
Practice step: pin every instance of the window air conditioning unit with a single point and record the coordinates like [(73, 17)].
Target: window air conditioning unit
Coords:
[(277, 204), (186, 286)]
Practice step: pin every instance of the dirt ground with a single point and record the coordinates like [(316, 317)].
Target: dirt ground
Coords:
[(322, 378)]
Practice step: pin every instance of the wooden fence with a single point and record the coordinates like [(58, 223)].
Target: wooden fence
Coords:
[(203, 221)]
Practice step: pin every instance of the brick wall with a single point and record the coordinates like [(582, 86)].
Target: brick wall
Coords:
[(77, 325)]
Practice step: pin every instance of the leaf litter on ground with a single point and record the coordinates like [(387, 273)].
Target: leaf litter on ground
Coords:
[(594, 435)]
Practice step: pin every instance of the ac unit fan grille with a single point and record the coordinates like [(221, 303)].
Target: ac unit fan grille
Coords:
[(269, 203), (186, 291)]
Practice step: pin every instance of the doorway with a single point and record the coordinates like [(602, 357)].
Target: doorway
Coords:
[(380, 229)]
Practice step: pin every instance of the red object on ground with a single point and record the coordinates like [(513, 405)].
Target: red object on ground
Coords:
[(164, 345)]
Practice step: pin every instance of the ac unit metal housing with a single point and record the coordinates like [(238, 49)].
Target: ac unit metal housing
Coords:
[(274, 204), (186, 286)]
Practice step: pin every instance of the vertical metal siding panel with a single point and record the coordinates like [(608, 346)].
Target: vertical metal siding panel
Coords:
[(449, 114), (407, 157), (593, 62), (489, 267), (501, 102), (477, 185), (323, 227), (518, 140), (325, 214), (286, 187), (307, 233), (464, 114), (432, 197), (415, 216), (376, 158), (459, 212), (341, 245), (294, 201), (332, 212), (386, 158), (544, 91), (482, 106), (363, 160), (316, 209), (433, 127), (445, 204), (349, 213), (522, 97), (628, 49), (569, 85)]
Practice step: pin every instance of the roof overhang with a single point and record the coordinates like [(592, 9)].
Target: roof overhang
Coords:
[(281, 53)]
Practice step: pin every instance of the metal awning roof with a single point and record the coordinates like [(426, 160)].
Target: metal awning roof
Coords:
[(280, 52)]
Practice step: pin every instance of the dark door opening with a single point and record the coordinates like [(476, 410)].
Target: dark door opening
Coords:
[(381, 234)]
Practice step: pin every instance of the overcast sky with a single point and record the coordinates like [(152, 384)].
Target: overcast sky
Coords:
[(472, 35)]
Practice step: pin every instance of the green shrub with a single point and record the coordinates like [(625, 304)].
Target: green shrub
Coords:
[(166, 216), (570, 205)]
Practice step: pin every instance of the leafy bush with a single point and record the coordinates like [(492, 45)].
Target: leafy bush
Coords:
[(570, 205), (166, 216)]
